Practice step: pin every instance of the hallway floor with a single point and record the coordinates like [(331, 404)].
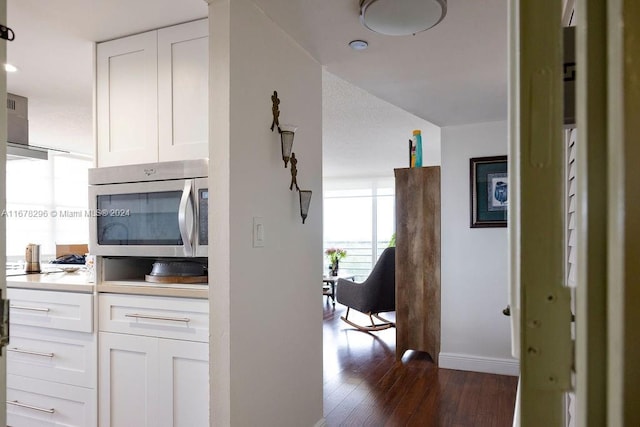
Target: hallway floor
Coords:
[(365, 386)]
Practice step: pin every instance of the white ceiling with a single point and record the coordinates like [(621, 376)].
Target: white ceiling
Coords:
[(352, 150), (454, 73)]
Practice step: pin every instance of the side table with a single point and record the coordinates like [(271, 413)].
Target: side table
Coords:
[(329, 285)]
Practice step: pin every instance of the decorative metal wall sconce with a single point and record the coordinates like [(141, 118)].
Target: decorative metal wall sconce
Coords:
[(294, 172), (287, 132), (275, 109), (305, 201)]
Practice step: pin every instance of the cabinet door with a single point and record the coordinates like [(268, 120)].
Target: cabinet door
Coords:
[(128, 382), (127, 102), (183, 91), (183, 383)]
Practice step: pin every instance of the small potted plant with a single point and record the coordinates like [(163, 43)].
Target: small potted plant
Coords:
[(335, 255)]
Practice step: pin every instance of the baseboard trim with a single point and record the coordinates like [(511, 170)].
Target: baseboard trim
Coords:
[(490, 365), (321, 423)]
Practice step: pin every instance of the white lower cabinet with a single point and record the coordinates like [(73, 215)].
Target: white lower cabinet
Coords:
[(128, 380), (147, 379), (51, 359), (184, 383), (37, 403)]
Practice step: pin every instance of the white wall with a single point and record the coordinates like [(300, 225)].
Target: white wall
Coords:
[(475, 334), (266, 311)]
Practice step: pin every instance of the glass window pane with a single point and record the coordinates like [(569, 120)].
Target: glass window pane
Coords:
[(386, 221), (386, 191), (29, 182), (28, 224), (71, 226), (348, 225), (366, 192), (71, 181), (46, 204)]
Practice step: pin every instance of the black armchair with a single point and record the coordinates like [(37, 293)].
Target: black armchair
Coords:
[(377, 294)]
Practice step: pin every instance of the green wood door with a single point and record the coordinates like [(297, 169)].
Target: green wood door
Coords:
[(537, 160)]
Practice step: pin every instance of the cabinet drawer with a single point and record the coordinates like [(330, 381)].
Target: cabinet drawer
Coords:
[(49, 309), (52, 355), (163, 317), (33, 402)]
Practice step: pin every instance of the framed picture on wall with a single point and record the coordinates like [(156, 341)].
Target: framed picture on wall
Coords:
[(489, 191)]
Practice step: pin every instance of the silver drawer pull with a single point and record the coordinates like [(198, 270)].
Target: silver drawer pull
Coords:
[(24, 307), (148, 316), (35, 408), (35, 353)]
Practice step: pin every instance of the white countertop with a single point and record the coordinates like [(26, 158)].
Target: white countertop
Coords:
[(140, 287), (53, 281), (78, 282)]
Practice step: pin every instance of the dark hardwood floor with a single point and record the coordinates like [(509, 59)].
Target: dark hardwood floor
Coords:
[(365, 386)]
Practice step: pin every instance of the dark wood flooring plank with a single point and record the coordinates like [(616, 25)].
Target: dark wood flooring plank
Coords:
[(413, 398), (430, 412), (365, 386)]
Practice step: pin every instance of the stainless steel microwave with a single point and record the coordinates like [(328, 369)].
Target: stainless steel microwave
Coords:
[(156, 209)]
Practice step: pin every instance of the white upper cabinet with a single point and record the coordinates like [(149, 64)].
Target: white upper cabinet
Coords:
[(152, 96), (127, 100), (183, 91)]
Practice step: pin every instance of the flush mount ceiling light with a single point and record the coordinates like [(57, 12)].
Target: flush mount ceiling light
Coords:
[(358, 44), (401, 17)]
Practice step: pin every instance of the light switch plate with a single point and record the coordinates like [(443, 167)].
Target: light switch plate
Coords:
[(258, 232)]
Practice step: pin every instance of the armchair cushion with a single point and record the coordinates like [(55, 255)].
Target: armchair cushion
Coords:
[(377, 293)]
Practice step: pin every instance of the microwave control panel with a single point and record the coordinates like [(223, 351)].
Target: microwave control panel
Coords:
[(203, 215)]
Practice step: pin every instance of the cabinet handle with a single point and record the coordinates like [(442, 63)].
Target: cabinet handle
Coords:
[(148, 316), (35, 353), (24, 307), (35, 408)]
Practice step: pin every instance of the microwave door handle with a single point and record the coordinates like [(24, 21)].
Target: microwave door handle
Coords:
[(185, 233)]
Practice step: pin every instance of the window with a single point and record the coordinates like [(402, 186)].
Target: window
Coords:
[(46, 204), (361, 221)]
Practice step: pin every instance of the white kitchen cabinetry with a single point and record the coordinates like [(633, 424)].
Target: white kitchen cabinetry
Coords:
[(184, 383), (183, 92), (51, 359), (127, 101), (154, 361), (152, 96)]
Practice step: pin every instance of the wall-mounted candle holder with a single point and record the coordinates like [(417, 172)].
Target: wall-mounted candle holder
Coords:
[(305, 202), (287, 133)]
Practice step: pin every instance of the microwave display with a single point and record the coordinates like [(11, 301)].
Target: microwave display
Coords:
[(148, 218)]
